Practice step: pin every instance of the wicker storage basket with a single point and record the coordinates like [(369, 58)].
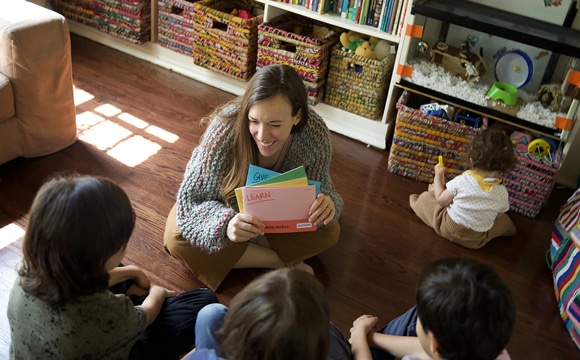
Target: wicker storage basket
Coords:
[(126, 19), (530, 183), (81, 11), (293, 40), (175, 25), (419, 139), (358, 84), (223, 42)]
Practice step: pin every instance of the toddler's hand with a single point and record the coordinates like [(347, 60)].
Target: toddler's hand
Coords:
[(364, 325), (440, 170)]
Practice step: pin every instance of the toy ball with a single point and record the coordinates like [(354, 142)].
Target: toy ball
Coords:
[(539, 147), (422, 47)]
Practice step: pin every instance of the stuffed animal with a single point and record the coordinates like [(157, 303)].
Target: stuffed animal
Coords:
[(382, 49), (366, 50), (351, 40), (358, 43)]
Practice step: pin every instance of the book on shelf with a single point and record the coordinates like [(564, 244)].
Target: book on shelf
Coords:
[(403, 17), (393, 15), (379, 7), (398, 11), (384, 14), (281, 201)]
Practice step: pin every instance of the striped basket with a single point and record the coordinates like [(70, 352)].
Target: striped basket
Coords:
[(126, 19), (223, 42), (175, 28), (358, 84), (81, 11), (530, 183), (292, 40), (419, 139)]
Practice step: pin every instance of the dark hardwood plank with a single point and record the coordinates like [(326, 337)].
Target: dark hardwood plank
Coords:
[(383, 245)]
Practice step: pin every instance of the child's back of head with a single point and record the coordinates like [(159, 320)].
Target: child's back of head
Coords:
[(467, 308), (76, 224), (492, 150), (281, 315)]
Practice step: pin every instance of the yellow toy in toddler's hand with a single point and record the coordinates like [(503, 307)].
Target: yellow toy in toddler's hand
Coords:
[(441, 160)]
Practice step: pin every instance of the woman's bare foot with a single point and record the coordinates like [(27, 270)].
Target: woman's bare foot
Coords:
[(305, 267)]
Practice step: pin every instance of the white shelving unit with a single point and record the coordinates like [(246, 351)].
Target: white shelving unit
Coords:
[(370, 132)]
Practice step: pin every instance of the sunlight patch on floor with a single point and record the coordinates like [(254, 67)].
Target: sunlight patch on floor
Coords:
[(134, 150), (9, 234), (81, 96), (105, 135), (121, 135)]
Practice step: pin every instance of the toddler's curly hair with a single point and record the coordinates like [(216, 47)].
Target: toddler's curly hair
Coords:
[(492, 150)]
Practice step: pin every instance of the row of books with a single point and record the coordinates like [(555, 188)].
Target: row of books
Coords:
[(386, 15)]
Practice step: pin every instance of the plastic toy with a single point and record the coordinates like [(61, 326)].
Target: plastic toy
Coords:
[(423, 47), (467, 119), (440, 158), (521, 140), (514, 67), (504, 92), (540, 147)]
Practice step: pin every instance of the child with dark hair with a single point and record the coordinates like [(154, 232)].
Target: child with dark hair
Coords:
[(281, 315), (60, 306), (470, 209), (464, 311)]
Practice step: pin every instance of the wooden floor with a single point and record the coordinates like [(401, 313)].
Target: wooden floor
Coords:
[(138, 125)]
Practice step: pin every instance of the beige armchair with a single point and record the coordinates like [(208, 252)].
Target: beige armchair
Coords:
[(37, 111)]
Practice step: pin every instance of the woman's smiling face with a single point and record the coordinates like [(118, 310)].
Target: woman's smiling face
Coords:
[(270, 123)]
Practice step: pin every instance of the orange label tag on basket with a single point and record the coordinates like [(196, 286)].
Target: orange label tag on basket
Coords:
[(414, 31), (562, 123), (404, 70)]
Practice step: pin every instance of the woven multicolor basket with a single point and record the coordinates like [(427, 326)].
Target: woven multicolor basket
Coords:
[(81, 11), (126, 19), (223, 42), (419, 139), (529, 184), (175, 25), (358, 84), (292, 40)]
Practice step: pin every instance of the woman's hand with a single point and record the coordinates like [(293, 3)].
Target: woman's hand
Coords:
[(244, 227), (322, 210)]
